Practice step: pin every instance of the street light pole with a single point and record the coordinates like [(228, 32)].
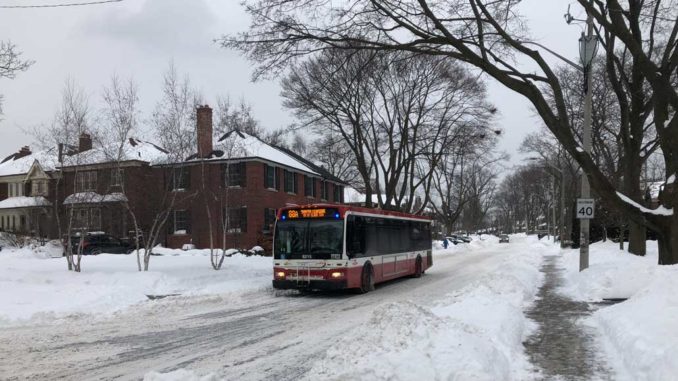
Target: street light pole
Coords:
[(587, 51)]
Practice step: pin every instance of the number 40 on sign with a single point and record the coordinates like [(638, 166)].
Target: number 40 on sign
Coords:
[(585, 208)]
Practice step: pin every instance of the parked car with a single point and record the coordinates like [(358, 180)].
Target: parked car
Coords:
[(93, 244), (503, 238), (458, 238), (453, 239)]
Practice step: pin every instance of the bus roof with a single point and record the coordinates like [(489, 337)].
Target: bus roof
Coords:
[(343, 209)]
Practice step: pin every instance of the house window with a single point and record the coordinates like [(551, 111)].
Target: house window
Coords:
[(86, 218), (181, 222), (86, 181), (270, 177), (269, 219), (290, 182), (235, 175), (181, 179), (338, 193), (235, 219), (117, 176), (15, 190), (325, 190), (39, 188), (309, 186)]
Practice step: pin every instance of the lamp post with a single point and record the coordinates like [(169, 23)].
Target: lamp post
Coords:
[(587, 51)]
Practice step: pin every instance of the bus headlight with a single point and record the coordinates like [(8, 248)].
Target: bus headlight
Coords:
[(337, 274), (280, 274)]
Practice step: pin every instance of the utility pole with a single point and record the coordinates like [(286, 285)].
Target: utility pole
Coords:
[(587, 49)]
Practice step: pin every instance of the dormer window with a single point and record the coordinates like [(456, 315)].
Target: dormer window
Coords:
[(39, 188)]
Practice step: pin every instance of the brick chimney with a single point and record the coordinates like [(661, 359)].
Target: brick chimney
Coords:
[(204, 130), (24, 151), (85, 142)]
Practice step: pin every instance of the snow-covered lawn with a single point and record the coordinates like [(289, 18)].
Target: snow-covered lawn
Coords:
[(640, 335), (33, 285)]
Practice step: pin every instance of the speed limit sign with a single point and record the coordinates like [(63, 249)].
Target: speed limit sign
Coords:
[(585, 208)]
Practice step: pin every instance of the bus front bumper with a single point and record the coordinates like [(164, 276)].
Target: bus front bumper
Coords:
[(309, 285)]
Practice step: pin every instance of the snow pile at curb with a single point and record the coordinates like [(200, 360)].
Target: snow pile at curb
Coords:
[(612, 273), (34, 286), (473, 334), (478, 242), (640, 335)]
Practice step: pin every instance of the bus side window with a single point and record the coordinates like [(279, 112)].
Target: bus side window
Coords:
[(355, 236)]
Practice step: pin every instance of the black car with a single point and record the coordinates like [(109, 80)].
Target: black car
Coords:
[(503, 238), (93, 244)]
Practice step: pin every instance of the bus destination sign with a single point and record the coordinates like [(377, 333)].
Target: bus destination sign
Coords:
[(295, 214)]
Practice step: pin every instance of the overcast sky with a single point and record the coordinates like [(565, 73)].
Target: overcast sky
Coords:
[(139, 38)]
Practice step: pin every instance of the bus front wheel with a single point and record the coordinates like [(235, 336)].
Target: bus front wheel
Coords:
[(366, 279)]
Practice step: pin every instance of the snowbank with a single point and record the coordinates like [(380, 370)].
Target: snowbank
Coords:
[(478, 242), (33, 285), (640, 335), (473, 334)]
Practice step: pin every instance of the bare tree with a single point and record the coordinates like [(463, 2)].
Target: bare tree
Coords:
[(120, 120), (70, 121), (551, 155), (238, 116), (11, 63), (173, 121), (396, 113), (491, 37), (330, 152)]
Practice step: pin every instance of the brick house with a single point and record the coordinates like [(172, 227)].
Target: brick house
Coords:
[(100, 186), (236, 184), (26, 188), (241, 181)]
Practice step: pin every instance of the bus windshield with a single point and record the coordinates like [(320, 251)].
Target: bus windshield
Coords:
[(309, 239)]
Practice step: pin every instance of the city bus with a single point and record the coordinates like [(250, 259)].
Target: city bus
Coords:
[(331, 247)]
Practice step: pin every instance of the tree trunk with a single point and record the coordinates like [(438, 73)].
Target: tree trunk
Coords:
[(637, 234), (621, 236), (668, 237), (637, 238)]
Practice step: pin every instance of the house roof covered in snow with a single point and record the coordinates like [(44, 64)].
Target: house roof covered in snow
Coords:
[(240, 145), (94, 198), (23, 202), (17, 165), (133, 149)]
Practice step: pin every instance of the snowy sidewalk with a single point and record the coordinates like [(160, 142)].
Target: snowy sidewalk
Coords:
[(562, 347)]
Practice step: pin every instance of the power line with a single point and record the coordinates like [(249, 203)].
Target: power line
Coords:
[(60, 5)]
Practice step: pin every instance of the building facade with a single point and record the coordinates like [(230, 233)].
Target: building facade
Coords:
[(224, 196)]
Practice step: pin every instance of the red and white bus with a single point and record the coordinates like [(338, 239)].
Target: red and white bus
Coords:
[(330, 247)]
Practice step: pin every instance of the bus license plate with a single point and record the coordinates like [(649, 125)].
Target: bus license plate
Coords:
[(305, 277)]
